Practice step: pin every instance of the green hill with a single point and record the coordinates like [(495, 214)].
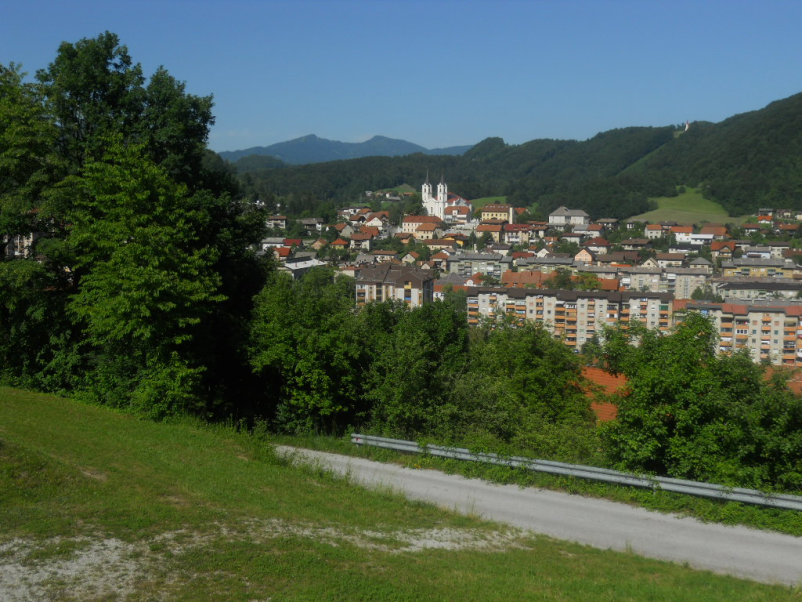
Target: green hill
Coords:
[(98, 505)]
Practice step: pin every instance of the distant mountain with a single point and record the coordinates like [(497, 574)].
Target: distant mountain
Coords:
[(311, 149)]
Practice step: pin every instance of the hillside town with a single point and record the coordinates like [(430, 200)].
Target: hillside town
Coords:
[(572, 274)]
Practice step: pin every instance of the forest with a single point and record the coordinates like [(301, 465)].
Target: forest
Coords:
[(145, 293)]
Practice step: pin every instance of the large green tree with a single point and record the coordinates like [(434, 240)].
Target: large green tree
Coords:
[(144, 256), (690, 413)]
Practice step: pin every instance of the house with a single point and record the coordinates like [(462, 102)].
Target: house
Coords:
[(312, 225), (504, 213), (343, 230), (383, 256), (718, 232), (494, 230), (392, 281), (458, 214), (598, 245), (574, 237), (412, 222), (524, 279), (585, 255), (653, 231), (562, 217), (723, 249), (516, 234), (682, 234), (298, 266), (449, 282), (428, 231), (282, 253), (340, 244), (276, 222), (440, 244), (670, 260), (362, 242), (635, 244), (378, 219)]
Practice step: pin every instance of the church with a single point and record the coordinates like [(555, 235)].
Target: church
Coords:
[(438, 205)]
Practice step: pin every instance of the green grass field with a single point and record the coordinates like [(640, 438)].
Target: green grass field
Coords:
[(488, 200), (98, 505), (688, 208)]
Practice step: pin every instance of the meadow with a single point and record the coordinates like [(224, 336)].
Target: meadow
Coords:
[(688, 208)]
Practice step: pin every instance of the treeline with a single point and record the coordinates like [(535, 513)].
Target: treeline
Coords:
[(414, 372), (745, 162)]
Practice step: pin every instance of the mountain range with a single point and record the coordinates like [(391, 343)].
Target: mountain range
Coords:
[(312, 149), (747, 161)]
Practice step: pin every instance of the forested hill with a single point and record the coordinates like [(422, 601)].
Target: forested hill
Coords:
[(745, 162), (312, 149)]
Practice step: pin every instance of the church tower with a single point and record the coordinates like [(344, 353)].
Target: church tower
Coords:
[(426, 190), (442, 193)]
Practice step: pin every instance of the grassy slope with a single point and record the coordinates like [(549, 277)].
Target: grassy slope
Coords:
[(208, 514), (688, 208)]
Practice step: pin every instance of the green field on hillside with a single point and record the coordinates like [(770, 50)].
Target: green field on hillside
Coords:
[(402, 189), (488, 200), (688, 208), (98, 505)]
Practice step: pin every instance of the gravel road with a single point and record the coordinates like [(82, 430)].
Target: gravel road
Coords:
[(752, 554)]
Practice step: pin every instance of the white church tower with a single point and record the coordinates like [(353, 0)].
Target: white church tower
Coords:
[(435, 205)]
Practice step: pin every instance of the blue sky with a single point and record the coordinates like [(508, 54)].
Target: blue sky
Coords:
[(439, 72)]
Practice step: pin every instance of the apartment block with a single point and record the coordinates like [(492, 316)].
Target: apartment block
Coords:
[(576, 316), (770, 333)]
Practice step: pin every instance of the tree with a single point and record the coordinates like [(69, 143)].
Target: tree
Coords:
[(145, 282), (92, 115), (304, 338), (689, 413), (410, 384)]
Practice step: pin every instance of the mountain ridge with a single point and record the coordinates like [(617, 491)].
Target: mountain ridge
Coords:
[(314, 149)]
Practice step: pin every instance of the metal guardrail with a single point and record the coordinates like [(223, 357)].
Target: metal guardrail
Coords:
[(707, 490)]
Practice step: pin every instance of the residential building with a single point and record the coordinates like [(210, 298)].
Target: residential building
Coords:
[(575, 316), (487, 264), (770, 332), (391, 281), (562, 217)]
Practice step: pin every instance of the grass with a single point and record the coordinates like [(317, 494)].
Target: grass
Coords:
[(184, 511), (688, 208), (488, 200)]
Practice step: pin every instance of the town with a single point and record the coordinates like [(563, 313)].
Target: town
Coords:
[(572, 274)]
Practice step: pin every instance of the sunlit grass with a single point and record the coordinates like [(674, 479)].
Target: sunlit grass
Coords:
[(209, 513), (688, 208)]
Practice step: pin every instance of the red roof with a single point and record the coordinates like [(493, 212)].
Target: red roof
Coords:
[(681, 229), (609, 384)]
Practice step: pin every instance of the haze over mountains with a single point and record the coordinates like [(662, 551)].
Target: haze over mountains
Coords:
[(312, 149)]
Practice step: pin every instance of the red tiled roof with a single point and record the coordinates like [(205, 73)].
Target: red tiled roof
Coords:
[(609, 384)]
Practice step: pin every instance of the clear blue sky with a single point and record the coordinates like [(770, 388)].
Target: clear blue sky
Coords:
[(439, 72)]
